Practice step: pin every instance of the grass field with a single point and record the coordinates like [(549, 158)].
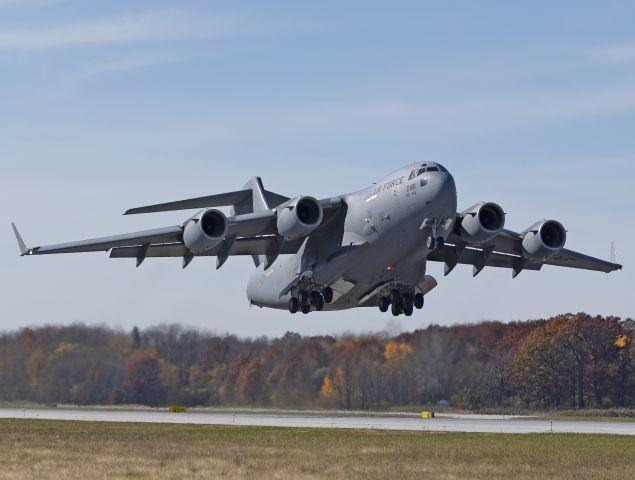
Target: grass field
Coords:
[(54, 449)]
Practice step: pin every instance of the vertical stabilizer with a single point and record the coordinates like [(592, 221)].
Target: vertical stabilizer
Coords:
[(257, 203)]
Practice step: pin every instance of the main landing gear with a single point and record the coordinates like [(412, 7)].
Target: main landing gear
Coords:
[(306, 300), (400, 302)]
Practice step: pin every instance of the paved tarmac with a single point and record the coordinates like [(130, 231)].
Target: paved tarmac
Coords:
[(442, 422)]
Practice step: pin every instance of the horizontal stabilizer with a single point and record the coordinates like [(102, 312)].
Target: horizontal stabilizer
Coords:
[(220, 200)]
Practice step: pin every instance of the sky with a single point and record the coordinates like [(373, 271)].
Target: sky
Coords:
[(106, 106)]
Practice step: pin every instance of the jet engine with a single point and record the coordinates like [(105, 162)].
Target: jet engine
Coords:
[(481, 223), (206, 231), (543, 239), (299, 218)]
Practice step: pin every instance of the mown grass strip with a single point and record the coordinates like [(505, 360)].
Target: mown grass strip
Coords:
[(57, 449)]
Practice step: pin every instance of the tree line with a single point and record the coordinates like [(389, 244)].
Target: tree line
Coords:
[(568, 361)]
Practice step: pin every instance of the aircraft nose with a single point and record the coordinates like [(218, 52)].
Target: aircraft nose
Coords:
[(445, 192)]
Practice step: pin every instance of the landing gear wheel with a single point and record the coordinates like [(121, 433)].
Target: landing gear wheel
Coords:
[(396, 309), (305, 309), (431, 243), (419, 300), (327, 293), (395, 296), (384, 303), (314, 297), (408, 301), (320, 305), (294, 304), (316, 300), (407, 310), (303, 296)]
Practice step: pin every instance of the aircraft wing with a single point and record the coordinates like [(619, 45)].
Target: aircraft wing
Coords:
[(251, 233), (159, 235), (505, 251)]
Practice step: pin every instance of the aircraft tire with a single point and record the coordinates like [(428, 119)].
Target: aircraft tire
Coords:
[(294, 305), (431, 243), (395, 309), (395, 296), (407, 301), (303, 296), (305, 309), (384, 303), (407, 310), (418, 303), (319, 305), (315, 298), (328, 294)]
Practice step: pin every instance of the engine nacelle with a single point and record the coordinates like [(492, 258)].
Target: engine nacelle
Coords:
[(205, 232), (544, 239), (299, 218), (482, 223)]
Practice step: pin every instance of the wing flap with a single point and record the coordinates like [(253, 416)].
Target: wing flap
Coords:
[(481, 258), (240, 246)]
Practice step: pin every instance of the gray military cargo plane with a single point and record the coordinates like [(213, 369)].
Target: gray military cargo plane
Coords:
[(364, 249)]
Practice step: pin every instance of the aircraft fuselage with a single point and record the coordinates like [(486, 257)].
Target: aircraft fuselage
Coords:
[(381, 238)]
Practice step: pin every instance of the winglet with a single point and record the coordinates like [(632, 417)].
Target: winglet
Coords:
[(21, 244), (613, 252)]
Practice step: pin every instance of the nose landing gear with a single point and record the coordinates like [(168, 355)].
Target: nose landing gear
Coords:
[(432, 243)]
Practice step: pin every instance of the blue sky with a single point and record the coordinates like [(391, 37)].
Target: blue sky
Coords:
[(110, 105)]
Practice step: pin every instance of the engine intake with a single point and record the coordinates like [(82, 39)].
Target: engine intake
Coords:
[(481, 223), (544, 239), (299, 218), (206, 232)]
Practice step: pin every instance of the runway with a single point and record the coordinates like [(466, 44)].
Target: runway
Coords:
[(442, 422)]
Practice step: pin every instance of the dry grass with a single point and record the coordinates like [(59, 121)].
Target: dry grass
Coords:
[(54, 449)]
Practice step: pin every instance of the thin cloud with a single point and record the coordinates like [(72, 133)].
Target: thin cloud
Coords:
[(434, 115), (128, 63), (153, 26), (616, 53), (27, 3)]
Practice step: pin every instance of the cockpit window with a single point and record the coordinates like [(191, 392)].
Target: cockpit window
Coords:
[(421, 170), (433, 169), (442, 168)]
